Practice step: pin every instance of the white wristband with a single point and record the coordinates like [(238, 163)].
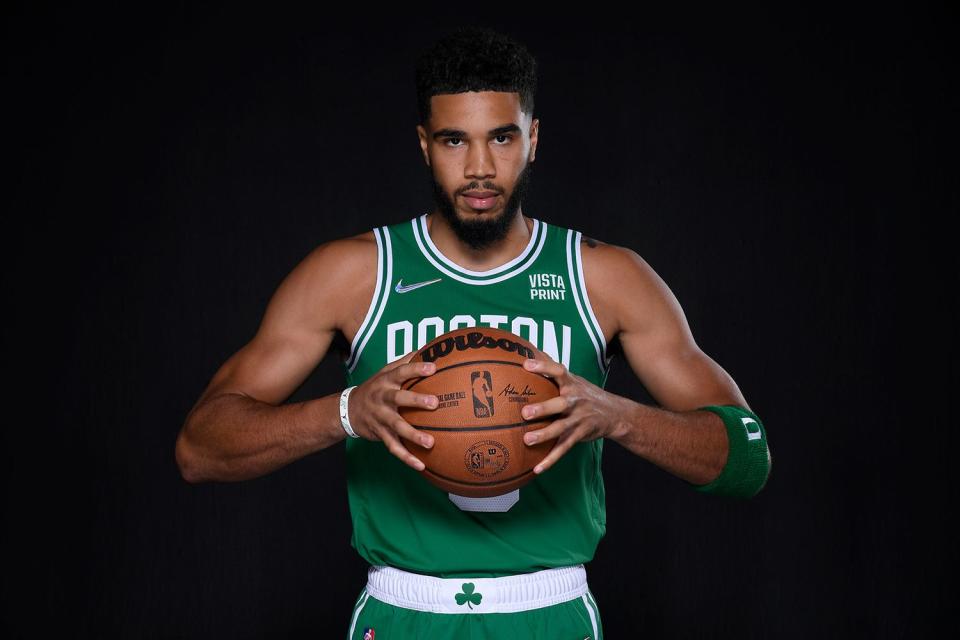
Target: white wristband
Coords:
[(344, 420)]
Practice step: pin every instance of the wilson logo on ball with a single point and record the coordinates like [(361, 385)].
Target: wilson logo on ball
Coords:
[(472, 340), (482, 386)]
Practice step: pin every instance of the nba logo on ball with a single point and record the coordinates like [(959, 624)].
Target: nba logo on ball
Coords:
[(478, 448), (369, 633), (482, 385)]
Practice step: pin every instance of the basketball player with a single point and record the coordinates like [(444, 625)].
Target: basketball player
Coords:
[(441, 565)]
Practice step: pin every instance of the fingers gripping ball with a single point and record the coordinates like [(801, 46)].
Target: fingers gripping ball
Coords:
[(481, 386)]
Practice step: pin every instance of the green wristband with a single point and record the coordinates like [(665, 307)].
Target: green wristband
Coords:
[(748, 462)]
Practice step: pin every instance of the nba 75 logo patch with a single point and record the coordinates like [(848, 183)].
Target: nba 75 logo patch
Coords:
[(482, 385), (369, 633)]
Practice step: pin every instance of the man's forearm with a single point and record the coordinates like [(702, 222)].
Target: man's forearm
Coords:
[(692, 445), (236, 437)]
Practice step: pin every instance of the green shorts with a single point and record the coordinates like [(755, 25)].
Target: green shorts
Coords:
[(554, 604)]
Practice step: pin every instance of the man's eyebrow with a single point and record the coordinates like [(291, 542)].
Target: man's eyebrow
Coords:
[(457, 133)]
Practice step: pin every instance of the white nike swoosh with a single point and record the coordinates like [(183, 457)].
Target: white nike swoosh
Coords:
[(410, 287)]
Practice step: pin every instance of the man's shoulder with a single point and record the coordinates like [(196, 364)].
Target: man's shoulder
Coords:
[(594, 243), (604, 258), (349, 252), (363, 246), (342, 265), (608, 271), (337, 278), (361, 242)]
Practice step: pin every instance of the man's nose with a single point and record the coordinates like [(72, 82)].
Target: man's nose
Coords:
[(480, 163)]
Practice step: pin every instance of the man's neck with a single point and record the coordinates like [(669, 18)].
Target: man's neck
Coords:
[(491, 257)]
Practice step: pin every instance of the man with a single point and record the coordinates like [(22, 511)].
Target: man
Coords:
[(441, 564)]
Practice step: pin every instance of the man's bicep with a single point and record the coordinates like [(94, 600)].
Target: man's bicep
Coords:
[(268, 369), (659, 346), (294, 335)]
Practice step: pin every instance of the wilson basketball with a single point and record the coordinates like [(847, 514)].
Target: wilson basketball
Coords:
[(481, 386)]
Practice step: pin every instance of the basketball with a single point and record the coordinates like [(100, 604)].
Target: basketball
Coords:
[(481, 386)]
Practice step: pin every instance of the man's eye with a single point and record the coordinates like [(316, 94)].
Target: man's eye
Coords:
[(507, 137)]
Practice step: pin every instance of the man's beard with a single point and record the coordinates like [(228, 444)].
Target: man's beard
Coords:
[(481, 231)]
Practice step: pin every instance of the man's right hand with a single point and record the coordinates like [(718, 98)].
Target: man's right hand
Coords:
[(373, 408)]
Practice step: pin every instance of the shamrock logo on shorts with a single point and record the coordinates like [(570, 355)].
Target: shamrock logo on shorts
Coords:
[(468, 595)]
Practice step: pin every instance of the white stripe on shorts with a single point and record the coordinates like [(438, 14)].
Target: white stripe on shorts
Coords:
[(593, 616), (356, 613), (506, 594)]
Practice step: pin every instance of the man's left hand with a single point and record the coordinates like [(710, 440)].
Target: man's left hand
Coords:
[(584, 410)]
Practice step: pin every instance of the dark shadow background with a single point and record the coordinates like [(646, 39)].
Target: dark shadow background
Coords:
[(782, 173)]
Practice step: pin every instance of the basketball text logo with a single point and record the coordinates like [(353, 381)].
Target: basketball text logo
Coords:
[(553, 338), (473, 340), (482, 385)]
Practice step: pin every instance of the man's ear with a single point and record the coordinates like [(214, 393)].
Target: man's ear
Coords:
[(422, 134), (534, 132)]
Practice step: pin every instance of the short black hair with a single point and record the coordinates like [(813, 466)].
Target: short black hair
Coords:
[(475, 58)]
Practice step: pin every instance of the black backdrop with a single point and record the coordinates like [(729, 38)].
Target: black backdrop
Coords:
[(779, 172)]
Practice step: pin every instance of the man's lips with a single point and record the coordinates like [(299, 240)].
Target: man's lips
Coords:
[(480, 199)]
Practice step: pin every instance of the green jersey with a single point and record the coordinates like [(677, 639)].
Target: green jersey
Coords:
[(402, 520)]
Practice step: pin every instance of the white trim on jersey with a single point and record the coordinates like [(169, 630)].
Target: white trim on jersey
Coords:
[(373, 301), (586, 298), (384, 258), (573, 237), (458, 273)]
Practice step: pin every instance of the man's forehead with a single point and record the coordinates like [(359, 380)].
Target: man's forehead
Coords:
[(474, 108)]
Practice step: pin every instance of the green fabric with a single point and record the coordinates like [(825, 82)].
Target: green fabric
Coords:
[(401, 520), (568, 620), (748, 462)]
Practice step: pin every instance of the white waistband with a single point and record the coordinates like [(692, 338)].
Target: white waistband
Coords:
[(476, 595)]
